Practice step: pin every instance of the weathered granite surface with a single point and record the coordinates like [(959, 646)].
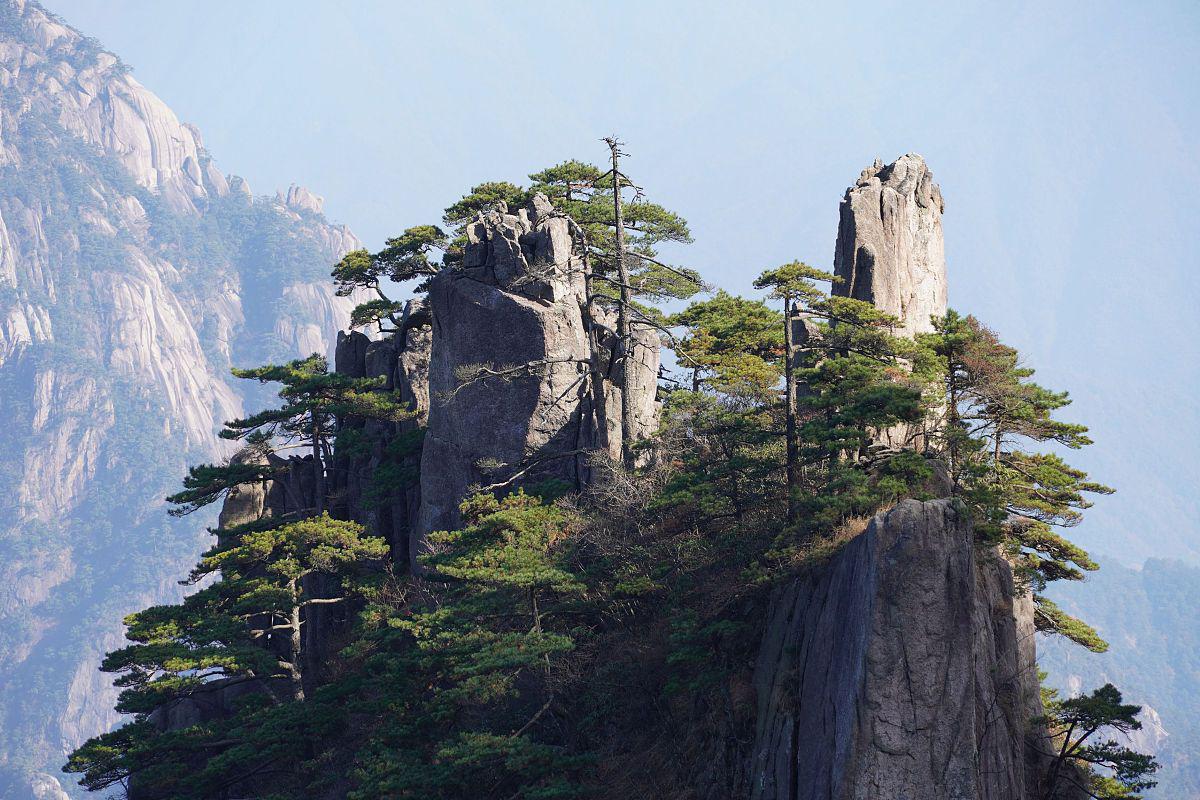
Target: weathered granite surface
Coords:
[(903, 668), (127, 291), (510, 367), (889, 248)]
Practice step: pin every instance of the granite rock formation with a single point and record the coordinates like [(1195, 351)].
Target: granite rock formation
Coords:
[(513, 398), (133, 274), (903, 668), (889, 248)]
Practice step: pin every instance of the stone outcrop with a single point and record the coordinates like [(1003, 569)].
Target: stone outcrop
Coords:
[(902, 668), (512, 401), (889, 249), (380, 488), (122, 308)]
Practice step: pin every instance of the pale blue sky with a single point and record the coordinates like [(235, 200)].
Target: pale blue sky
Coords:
[(1064, 136)]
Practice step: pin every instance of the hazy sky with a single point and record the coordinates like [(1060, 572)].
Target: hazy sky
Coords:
[(1064, 137)]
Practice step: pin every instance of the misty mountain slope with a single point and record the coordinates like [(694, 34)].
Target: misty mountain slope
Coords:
[(1148, 617), (133, 274)]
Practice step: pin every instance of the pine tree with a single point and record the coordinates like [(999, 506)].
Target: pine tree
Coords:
[(993, 413), (1104, 769), (725, 456), (852, 384), (795, 285), (618, 238), (404, 258), (245, 626), (468, 679), (313, 400), (732, 345)]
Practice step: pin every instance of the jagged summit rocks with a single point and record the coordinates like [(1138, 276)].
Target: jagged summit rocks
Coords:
[(512, 399), (889, 248)]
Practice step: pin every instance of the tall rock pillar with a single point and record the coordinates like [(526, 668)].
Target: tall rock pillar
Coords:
[(903, 666), (889, 246)]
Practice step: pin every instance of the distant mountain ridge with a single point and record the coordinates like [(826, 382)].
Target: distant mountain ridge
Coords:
[(133, 274)]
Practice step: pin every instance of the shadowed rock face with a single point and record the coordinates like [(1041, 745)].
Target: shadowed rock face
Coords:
[(903, 668), (516, 307), (889, 247), (402, 360)]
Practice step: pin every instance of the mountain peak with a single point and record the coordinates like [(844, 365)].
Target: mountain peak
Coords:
[(298, 198)]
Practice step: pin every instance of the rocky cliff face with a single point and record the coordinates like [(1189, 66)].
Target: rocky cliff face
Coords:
[(902, 668), (133, 273)]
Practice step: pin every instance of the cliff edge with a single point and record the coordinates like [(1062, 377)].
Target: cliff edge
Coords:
[(902, 668)]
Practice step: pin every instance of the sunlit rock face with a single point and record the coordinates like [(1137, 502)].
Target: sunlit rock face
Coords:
[(133, 274), (904, 667), (889, 249), (508, 365)]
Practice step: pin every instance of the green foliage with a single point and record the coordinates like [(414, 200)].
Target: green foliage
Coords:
[(1049, 618), (726, 457), (314, 399), (586, 194), (852, 386), (398, 470), (482, 198), (376, 312), (992, 412), (243, 627), (206, 483), (259, 737), (403, 258), (466, 684), (247, 624), (795, 282), (1108, 769), (581, 191), (692, 642), (733, 345)]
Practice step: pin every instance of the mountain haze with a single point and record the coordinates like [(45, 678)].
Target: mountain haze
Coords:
[(133, 274)]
